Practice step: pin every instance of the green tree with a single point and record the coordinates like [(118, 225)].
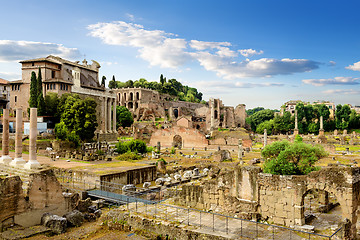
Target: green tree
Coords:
[(259, 117), (162, 80), (123, 117), (250, 112), (297, 158), (135, 146), (33, 91), (39, 84), (112, 83), (78, 116), (103, 79), (283, 124), (51, 104), (41, 107), (268, 125)]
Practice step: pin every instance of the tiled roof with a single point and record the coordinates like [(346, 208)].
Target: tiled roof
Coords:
[(3, 81)]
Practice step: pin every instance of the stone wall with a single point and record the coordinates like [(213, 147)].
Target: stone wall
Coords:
[(44, 194), (279, 199), (132, 176), (190, 137)]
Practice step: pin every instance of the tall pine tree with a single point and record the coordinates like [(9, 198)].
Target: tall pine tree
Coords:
[(33, 91)]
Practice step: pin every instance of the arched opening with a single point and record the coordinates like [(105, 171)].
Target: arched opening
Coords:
[(131, 96), (137, 96), (215, 114), (176, 113), (119, 97), (136, 105), (177, 141), (321, 209), (197, 126), (124, 104), (124, 96), (130, 105)]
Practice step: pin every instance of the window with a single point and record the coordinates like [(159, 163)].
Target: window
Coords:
[(50, 86), (52, 74), (4, 87), (32, 64), (54, 86), (15, 98), (66, 87), (47, 86)]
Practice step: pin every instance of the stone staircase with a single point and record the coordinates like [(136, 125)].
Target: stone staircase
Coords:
[(24, 174)]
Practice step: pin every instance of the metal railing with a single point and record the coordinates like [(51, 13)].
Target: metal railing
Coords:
[(138, 201)]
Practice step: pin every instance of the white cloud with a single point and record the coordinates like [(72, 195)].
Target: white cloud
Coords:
[(334, 81), (21, 50), (166, 50), (332, 63), (130, 16), (342, 91), (264, 67), (10, 76), (354, 67), (230, 85), (250, 52)]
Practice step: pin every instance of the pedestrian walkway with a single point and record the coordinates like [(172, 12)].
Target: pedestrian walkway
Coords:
[(217, 224)]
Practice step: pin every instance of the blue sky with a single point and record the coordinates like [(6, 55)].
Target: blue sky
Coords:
[(260, 53)]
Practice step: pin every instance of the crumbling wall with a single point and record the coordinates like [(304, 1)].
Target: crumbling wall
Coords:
[(190, 137), (44, 194)]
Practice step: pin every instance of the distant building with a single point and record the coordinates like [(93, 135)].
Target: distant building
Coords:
[(290, 106), (149, 105), (4, 93)]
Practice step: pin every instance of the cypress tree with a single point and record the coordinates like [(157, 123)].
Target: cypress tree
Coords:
[(33, 90), (103, 81), (41, 105), (39, 84)]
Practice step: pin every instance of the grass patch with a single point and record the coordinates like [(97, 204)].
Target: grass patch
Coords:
[(339, 147)]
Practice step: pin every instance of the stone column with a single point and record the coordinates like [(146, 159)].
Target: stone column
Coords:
[(32, 163), (109, 116), (240, 153), (102, 127), (321, 130), (158, 146), (114, 116), (5, 158), (104, 115), (18, 160), (212, 114), (296, 130), (265, 137)]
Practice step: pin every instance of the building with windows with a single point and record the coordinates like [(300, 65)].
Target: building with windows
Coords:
[(4, 93), (62, 76)]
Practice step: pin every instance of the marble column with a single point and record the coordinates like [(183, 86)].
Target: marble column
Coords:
[(212, 113), (296, 130), (32, 163), (109, 116), (240, 153), (5, 158), (114, 116), (105, 115), (321, 130), (265, 137), (18, 160)]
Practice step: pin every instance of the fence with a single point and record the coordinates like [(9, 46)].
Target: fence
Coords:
[(138, 201)]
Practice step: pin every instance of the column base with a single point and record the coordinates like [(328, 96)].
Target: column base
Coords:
[(296, 132), (17, 162), (6, 159), (32, 164)]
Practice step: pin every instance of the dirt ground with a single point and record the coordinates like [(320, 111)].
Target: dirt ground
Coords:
[(91, 231)]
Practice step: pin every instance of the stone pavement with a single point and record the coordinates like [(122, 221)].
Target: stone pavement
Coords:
[(219, 225)]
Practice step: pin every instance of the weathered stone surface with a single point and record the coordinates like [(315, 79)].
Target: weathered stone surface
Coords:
[(83, 205), (222, 155), (56, 223), (74, 218)]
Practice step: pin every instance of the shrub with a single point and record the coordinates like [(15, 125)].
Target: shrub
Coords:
[(136, 146), (173, 150), (161, 159), (129, 156), (291, 159)]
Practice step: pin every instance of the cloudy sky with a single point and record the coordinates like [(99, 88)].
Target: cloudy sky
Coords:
[(256, 52)]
